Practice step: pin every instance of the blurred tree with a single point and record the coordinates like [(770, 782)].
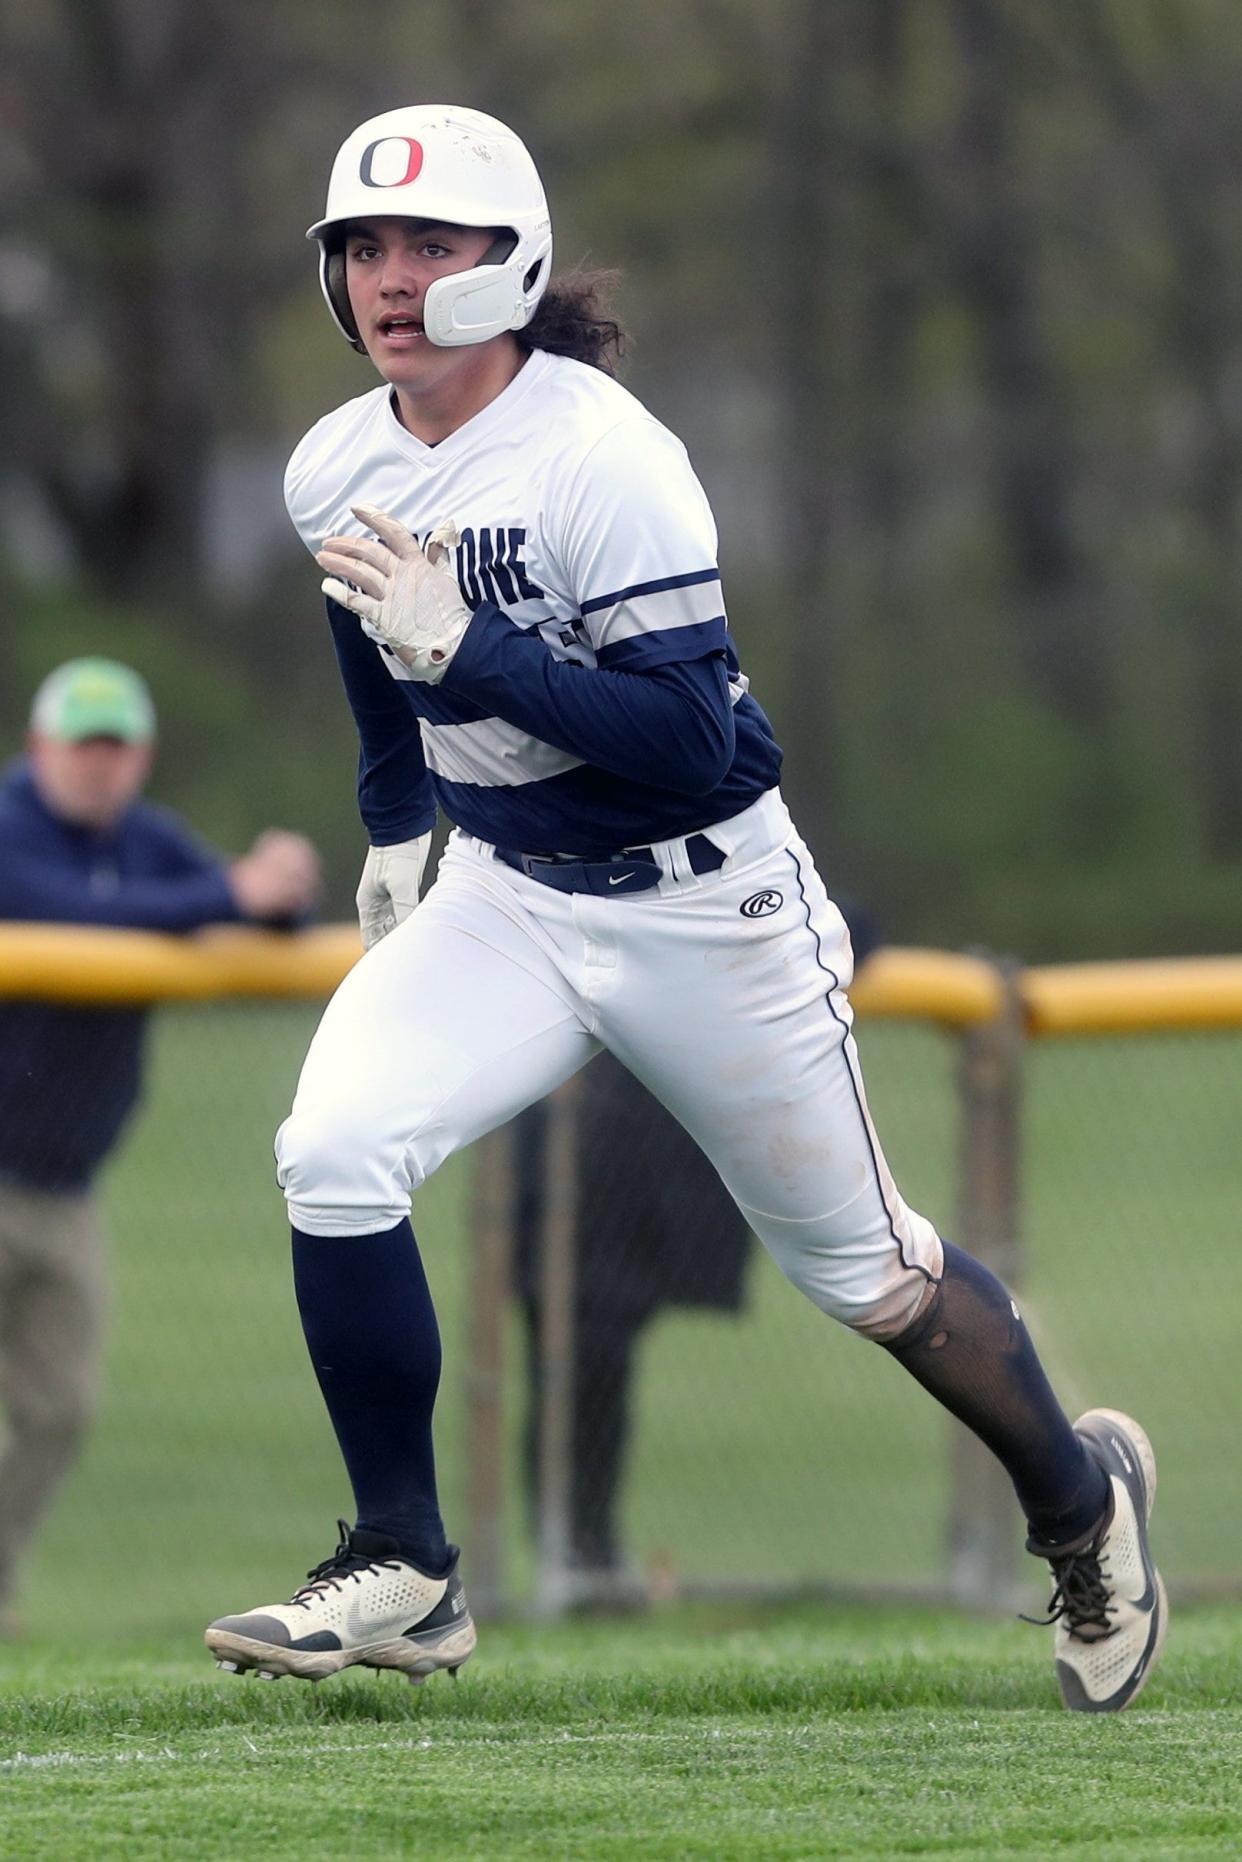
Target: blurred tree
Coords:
[(1173, 93), (992, 238), (942, 294), (147, 148)]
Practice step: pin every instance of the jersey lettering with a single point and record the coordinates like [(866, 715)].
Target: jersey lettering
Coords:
[(490, 567)]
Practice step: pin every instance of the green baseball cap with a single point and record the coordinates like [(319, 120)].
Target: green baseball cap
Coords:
[(93, 698)]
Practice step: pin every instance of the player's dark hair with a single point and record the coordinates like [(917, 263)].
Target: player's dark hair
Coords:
[(572, 320)]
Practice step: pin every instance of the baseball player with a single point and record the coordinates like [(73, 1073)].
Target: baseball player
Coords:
[(524, 597)]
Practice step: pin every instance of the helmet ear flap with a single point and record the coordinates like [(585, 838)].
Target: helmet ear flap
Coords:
[(337, 294)]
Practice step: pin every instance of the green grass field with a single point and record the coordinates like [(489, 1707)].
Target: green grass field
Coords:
[(696, 1732), (768, 1448)]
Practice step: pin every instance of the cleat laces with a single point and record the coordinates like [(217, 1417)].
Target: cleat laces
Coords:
[(344, 1563), (1080, 1595)]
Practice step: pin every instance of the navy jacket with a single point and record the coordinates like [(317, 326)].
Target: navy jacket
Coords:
[(69, 1076)]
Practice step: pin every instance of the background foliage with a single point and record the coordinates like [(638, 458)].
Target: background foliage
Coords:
[(942, 294)]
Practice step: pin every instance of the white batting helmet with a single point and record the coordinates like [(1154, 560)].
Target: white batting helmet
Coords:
[(436, 161)]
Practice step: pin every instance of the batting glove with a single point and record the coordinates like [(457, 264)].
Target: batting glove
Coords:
[(389, 888), (404, 595)]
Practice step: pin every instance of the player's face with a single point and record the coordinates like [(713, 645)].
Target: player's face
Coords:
[(389, 264), (90, 783)]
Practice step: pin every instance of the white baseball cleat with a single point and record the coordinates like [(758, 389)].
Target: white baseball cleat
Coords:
[(1108, 1601), (365, 1606)]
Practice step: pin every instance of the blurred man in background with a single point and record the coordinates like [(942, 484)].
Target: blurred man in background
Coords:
[(78, 846), (653, 1228)]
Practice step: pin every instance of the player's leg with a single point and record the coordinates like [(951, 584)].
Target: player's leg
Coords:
[(777, 1101), (754, 1053), (52, 1304), (443, 1031)]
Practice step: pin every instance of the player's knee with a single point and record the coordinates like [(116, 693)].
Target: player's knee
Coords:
[(874, 1290), (893, 1314), (880, 1313), (338, 1179)]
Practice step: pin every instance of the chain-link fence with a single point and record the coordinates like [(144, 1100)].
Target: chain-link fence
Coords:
[(770, 1449), (761, 1447)]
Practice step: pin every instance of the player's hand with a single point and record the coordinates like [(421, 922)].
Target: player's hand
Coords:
[(408, 596), (389, 888), (278, 879)]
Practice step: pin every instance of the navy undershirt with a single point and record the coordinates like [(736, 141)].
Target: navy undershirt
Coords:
[(664, 750)]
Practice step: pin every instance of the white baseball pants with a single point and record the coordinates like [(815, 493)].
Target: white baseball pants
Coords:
[(723, 993)]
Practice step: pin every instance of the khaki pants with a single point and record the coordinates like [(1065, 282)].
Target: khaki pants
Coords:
[(52, 1303)]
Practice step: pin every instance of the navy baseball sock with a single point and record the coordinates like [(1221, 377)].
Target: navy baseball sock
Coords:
[(970, 1348), (374, 1342)]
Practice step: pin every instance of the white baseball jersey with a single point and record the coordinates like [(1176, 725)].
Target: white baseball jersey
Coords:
[(587, 543), (582, 522)]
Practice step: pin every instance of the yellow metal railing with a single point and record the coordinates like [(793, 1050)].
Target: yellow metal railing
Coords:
[(1132, 998), (68, 963)]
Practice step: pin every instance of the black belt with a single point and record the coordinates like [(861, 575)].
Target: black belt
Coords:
[(634, 870)]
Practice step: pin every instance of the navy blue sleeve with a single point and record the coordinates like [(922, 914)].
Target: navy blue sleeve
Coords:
[(35, 890), (670, 726), (394, 790)]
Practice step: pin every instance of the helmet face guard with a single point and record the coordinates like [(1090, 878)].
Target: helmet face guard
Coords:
[(455, 167)]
